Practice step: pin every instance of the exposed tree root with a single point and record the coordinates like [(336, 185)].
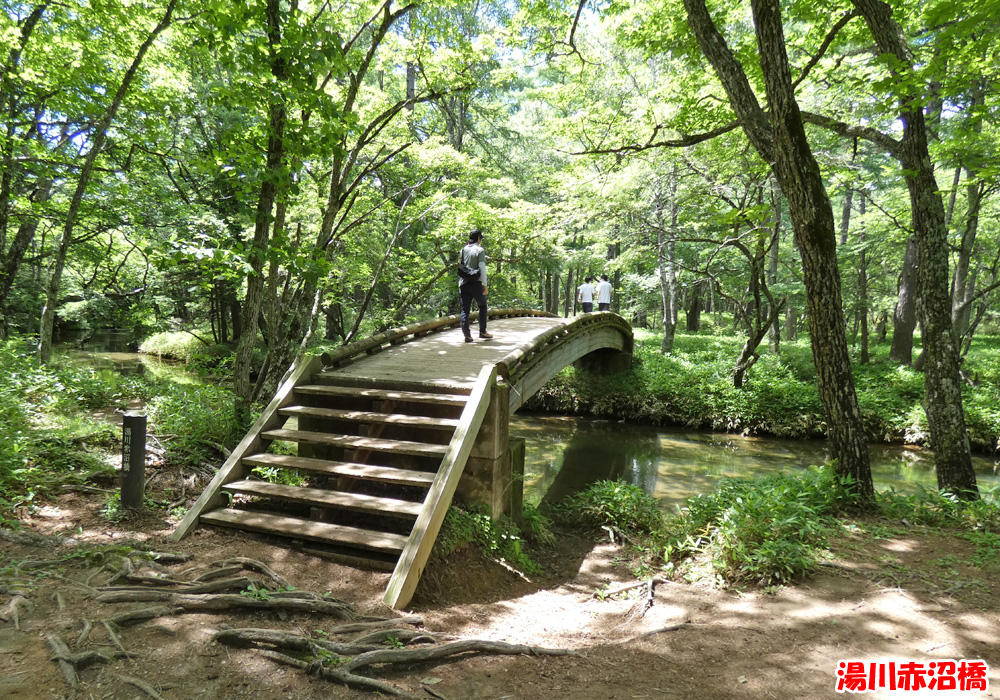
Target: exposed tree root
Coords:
[(176, 586), (141, 685), (69, 662), (375, 624), (142, 615), (247, 564), (199, 603), (294, 642), (12, 611), (628, 587), (112, 635), (341, 668), (340, 676), (84, 633)]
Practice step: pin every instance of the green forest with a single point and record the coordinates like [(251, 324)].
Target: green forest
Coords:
[(796, 205)]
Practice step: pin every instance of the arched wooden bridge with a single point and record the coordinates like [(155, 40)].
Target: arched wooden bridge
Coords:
[(390, 427)]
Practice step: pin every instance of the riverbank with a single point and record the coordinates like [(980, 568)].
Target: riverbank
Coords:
[(693, 388)]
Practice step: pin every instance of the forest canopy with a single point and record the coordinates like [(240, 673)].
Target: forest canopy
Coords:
[(268, 176)]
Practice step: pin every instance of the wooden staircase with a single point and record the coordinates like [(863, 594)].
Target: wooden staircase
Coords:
[(370, 454), (381, 465)]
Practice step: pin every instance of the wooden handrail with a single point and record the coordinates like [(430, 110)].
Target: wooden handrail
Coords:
[(512, 365), (425, 531), (404, 333), (232, 469)]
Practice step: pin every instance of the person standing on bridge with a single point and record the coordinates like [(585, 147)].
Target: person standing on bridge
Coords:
[(473, 255), (585, 295), (604, 294)]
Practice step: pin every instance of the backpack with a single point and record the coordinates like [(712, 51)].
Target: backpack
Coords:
[(467, 273)]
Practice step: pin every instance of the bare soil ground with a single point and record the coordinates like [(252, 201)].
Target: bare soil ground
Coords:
[(910, 595)]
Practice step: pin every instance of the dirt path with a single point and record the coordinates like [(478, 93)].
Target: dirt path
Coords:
[(910, 596)]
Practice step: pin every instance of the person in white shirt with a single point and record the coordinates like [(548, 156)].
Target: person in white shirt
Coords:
[(586, 295), (604, 294)]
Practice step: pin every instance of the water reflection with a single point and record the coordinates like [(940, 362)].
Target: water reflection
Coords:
[(565, 454), (114, 350)]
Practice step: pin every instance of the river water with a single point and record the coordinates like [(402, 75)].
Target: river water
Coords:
[(565, 454)]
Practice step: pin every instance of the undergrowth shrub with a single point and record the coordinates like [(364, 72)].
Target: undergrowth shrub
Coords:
[(194, 420), (942, 509), (501, 540), (763, 531), (625, 507)]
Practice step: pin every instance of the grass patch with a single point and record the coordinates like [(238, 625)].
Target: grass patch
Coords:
[(768, 531), (501, 540)]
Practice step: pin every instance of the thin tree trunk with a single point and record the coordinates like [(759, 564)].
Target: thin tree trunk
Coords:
[(568, 297), (18, 248), (791, 323), (904, 318), (774, 333), (693, 324), (100, 135), (253, 300), (963, 287), (863, 285)]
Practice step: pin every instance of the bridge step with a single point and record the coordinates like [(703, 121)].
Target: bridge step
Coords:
[(325, 498), (388, 475), (306, 529), (334, 378), (404, 447), (383, 394), (371, 417)]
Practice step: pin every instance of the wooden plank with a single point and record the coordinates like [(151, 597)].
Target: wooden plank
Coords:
[(402, 447), (232, 469), (326, 498), (368, 472), (396, 395), (409, 382), (418, 547), (286, 526), (371, 417), (397, 336)]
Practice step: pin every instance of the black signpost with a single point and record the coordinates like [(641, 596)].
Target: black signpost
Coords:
[(133, 458)]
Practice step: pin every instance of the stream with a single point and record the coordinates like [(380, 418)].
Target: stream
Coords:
[(564, 455)]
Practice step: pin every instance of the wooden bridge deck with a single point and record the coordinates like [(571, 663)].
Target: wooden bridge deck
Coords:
[(444, 359)]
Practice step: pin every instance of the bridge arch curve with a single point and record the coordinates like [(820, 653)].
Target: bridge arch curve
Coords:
[(603, 337)]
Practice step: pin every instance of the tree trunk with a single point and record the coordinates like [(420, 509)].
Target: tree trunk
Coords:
[(568, 298), (253, 300), (943, 398), (694, 308), (863, 286), (100, 135), (668, 289), (774, 333), (791, 323), (963, 287), (904, 318), (781, 140), (18, 248)]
